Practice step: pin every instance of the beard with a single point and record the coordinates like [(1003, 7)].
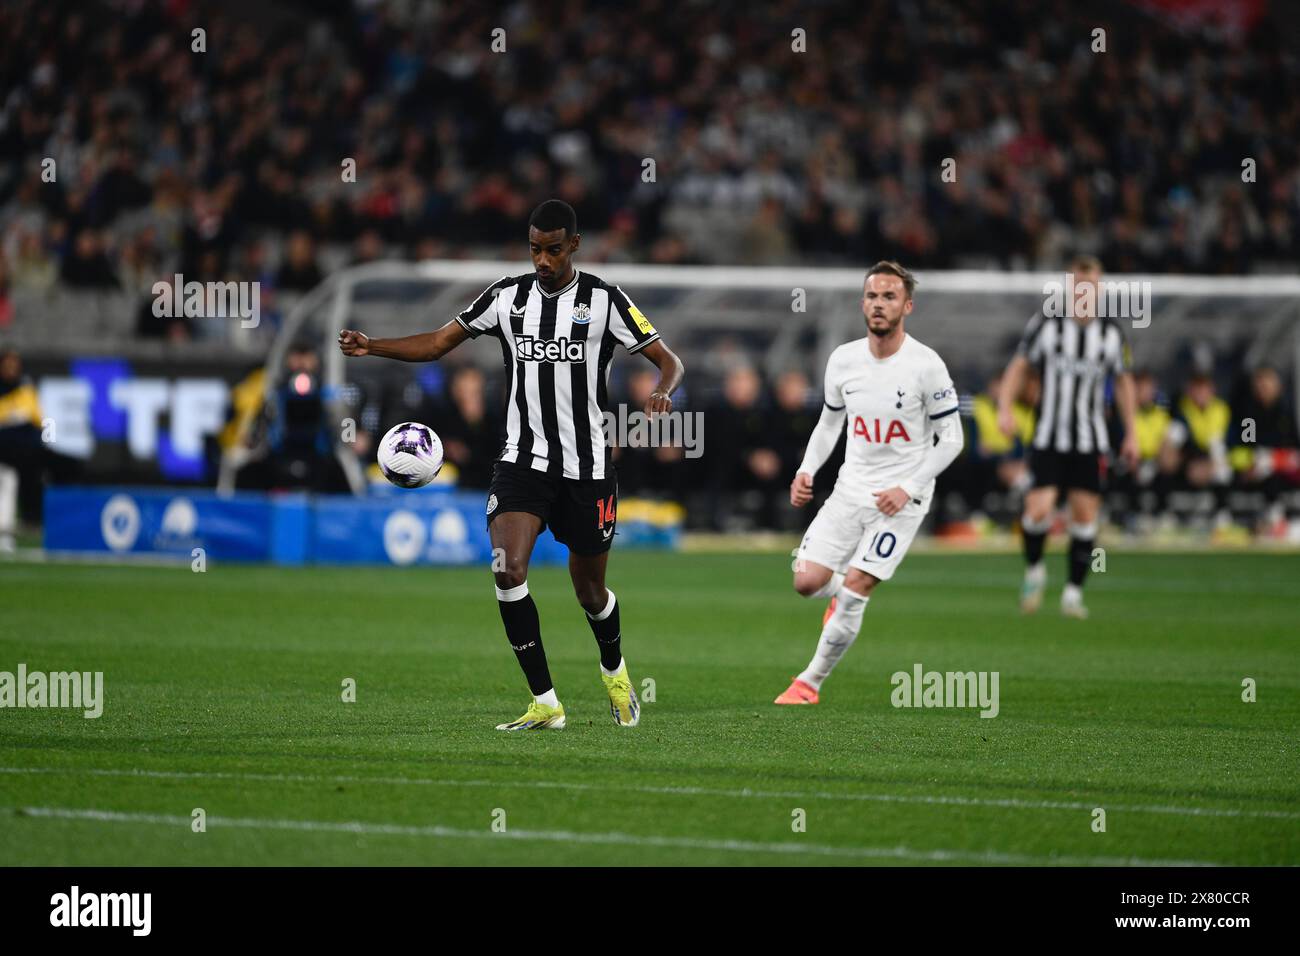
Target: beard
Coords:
[(883, 330)]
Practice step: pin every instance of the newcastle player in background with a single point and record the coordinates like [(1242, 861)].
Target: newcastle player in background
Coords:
[(1075, 357), (558, 329), (895, 402)]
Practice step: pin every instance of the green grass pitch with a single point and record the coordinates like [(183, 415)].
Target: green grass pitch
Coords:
[(223, 692)]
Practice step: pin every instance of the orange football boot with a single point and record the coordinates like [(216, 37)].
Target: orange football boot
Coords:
[(797, 693)]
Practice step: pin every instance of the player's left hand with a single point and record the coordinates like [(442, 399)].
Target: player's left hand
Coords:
[(353, 343), (892, 500), (1129, 451), (658, 402)]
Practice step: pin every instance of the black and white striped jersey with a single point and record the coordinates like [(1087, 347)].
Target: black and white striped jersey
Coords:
[(1075, 362), (557, 348)]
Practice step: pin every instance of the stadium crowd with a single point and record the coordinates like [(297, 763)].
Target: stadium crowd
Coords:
[(227, 163), (777, 135)]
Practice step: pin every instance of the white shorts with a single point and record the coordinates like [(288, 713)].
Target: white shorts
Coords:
[(845, 535)]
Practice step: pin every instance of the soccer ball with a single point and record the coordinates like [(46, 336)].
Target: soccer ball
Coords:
[(410, 455)]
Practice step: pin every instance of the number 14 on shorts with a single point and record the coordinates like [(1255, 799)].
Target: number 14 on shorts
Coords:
[(604, 511)]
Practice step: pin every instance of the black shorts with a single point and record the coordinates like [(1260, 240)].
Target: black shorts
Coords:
[(580, 513), (1067, 470)]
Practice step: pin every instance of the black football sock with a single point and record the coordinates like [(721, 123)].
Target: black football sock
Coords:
[(608, 637), (1082, 538), (1035, 535), (524, 631)]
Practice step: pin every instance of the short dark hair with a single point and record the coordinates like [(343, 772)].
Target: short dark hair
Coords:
[(555, 214), (1083, 262), (892, 268)]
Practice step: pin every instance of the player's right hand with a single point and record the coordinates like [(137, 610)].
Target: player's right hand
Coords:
[(801, 489), (353, 343), (1007, 422)]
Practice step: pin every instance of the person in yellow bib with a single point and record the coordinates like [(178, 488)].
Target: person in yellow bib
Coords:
[(1200, 433), (20, 447)]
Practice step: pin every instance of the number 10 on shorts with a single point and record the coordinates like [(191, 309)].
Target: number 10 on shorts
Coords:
[(882, 543)]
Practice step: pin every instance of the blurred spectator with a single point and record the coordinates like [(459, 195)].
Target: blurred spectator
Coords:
[(1266, 447), (88, 267), (33, 269), (299, 273), (797, 410), (1146, 490), (151, 325), (369, 247), (1199, 432), (471, 437), (766, 240), (744, 468), (140, 264), (654, 470)]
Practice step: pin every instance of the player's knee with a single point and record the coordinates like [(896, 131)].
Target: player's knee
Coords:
[(860, 583), (512, 574), (807, 584), (591, 596), (1039, 508)]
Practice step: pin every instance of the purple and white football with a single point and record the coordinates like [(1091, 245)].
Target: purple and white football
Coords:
[(410, 455)]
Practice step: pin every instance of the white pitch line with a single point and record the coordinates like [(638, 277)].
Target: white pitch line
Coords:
[(745, 793), (790, 848)]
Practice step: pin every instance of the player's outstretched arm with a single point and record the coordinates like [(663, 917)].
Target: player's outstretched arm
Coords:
[(424, 347), (671, 372)]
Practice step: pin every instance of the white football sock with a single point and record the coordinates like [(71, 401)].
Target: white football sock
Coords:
[(1072, 594), (614, 671), (838, 634), (832, 586), (1041, 526), (549, 698), (1036, 573)]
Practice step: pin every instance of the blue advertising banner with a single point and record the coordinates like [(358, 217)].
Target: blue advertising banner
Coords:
[(158, 521), (431, 526)]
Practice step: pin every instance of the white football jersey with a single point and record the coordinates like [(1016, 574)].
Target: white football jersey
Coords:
[(891, 407)]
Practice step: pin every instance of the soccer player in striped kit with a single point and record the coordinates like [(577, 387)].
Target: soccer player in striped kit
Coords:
[(558, 329), (1075, 355)]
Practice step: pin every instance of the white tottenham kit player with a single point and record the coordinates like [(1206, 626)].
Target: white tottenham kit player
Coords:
[(896, 402)]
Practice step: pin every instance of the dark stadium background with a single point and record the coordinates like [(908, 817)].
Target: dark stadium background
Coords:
[(224, 165)]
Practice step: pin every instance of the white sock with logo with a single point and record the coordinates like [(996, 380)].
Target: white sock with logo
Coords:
[(838, 635)]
